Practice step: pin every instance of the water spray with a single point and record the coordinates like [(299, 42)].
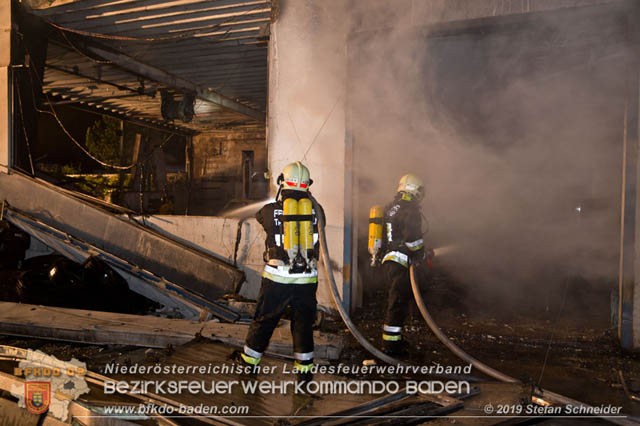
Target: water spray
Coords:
[(446, 250), (248, 210)]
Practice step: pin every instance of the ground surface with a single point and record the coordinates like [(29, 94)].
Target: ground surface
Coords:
[(566, 346)]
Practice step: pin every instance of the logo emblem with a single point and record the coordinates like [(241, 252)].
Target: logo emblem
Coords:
[(37, 396)]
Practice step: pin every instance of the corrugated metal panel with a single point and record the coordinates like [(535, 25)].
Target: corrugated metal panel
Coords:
[(218, 45)]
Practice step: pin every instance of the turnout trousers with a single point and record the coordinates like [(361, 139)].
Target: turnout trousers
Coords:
[(398, 300), (273, 299)]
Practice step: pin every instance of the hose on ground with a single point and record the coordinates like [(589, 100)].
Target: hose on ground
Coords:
[(548, 395), (551, 396), (336, 298), (447, 342)]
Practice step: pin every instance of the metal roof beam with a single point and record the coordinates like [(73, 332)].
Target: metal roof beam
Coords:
[(180, 44), (164, 77), (221, 25), (138, 9), (202, 48), (217, 68), (251, 33), (227, 58), (139, 120), (125, 23), (99, 6), (97, 80), (213, 77)]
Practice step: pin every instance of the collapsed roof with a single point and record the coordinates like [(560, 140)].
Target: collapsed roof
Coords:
[(191, 65)]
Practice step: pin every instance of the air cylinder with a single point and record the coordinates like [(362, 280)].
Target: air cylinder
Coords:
[(375, 232), (291, 233)]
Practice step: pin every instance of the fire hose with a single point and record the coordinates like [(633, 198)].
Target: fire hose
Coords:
[(336, 298), (548, 395), (447, 342), (430, 322)]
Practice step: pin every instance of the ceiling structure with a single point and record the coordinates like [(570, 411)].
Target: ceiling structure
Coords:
[(121, 57)]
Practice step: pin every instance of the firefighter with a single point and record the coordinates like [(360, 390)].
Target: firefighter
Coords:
[(402, 245), (290, 277)]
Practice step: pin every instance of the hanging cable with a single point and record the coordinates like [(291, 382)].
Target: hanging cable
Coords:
[(24, 129), (321, 127), (546, 355), (78, 144), (79, 52)]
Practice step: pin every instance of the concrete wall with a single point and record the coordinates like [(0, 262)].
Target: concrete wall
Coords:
[(376, 14), (306, 118), (219, 154), (6, 153), (308, 79), (217, 168), (217, 236)]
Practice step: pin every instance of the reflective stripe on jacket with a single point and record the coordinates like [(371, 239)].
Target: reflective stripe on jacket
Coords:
[(281, 274), (403, 232)]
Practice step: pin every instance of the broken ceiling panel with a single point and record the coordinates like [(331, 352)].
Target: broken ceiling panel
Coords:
[(118, 57)]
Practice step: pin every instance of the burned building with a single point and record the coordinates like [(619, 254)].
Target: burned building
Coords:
[(141, 136)]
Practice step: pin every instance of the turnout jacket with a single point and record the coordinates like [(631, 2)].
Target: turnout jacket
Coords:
[(402, 232), (276, 258)]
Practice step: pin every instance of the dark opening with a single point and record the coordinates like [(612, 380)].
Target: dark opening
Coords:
[(247, 171)]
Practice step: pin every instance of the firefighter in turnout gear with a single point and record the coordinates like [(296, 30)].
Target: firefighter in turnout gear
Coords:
[(402, 244), (290, 277)]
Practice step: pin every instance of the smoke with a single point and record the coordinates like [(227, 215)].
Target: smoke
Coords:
[(517, 134)]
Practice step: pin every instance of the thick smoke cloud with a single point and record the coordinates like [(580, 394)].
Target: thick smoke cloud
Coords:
[(518, 135)]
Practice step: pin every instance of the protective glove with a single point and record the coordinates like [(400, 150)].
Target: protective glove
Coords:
[(313, 264), (424, 259), (429, 253)]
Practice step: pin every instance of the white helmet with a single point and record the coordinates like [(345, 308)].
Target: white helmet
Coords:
[(295, 176), (412, 185)]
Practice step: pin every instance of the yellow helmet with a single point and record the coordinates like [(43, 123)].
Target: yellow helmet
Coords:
[(412, 185), (295, 176)]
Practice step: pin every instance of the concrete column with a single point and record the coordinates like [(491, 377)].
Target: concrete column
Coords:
[(6, 137), (628, 225), (306, 119), (629, 272)]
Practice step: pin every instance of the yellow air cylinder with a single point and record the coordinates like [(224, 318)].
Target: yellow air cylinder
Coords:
[(291, 236), (375, 232), (306, 227)]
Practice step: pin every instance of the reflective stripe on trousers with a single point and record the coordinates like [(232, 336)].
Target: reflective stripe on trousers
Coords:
[(250, 356), (391, 333), (307, 356), (303, 361)]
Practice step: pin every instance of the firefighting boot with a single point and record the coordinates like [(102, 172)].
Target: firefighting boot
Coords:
[(304, 369), (247, 369), (304, 378), (395, 348)]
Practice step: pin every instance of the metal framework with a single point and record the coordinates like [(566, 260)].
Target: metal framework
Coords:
[(114, 57)]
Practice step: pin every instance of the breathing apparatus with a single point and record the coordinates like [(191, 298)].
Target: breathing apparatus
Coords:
[(297, 217), (410, 188)]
